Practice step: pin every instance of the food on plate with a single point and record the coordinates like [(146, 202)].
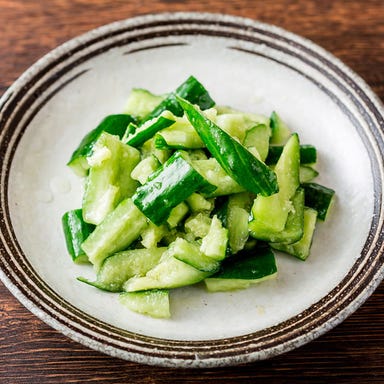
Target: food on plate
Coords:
[(179, 191)]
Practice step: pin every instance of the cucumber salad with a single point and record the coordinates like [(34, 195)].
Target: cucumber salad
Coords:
[(179, 191)]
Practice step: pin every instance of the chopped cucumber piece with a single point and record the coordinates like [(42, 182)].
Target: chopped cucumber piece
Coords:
[(319, 198), (280, 130), (154, 303), (293, 230), (308, 154), (113, 124), (145, 168), (169, 273), (137, 136), (141, 102), (198, 203), (198, 225), (117, 231), (121, 266), (269, 214), (169, 186), (235, 124), (76, 230), (301, 248), (153, 234), (237, 161), (109, 180), (258, 137), (307, 174), (177, 214), (181, 135), (214, 244), (244, 269), (190, 253), (212, 171), (191, 90)]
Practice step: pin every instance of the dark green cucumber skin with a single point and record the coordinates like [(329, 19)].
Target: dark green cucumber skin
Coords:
[(167, 187), (319, 198), (113, 124), (76, 230), (248, 264), (138, 138), (191, 90), (308, 154), (236, 160)]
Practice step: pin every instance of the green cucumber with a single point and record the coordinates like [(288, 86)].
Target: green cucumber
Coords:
[(269, 214), (190, 253), (301, 248), (198, 203), (113, 124), (191, 90), (308, 154), (76, 230), (214, 244), (212, 171), (153, 234), (145, 168), (177, 214), (235, 124), (198, 225), (181, 135), (154, 303), (137, 136), (109, 180), (149, 149), (117, 231), (307, 174), (234, 214), (169, 186), (121, 266), (258, 137), (280, 131), (243, 269), (237, 161), (319, 198), (169, 273), (293, 230), (141, 102)]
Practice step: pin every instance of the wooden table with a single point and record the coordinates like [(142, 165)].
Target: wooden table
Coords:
[(31, 352)]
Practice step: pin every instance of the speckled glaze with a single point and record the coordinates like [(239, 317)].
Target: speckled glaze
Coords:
[(245, 64)]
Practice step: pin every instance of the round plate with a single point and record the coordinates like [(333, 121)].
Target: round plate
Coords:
[(247, 65)]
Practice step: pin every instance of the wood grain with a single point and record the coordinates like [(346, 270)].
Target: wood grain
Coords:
[(31, 352)]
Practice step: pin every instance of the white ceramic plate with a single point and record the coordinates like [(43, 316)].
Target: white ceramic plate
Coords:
[(245, 64)]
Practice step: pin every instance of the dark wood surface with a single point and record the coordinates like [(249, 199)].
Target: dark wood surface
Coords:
[(31, 352)]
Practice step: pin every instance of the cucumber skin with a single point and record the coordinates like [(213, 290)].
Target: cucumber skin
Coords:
[(142, 134), (191, 90), (319, 198), (167, 187), (113, 124), (248, 264), (76, 231), (238, 162), (308, 154)]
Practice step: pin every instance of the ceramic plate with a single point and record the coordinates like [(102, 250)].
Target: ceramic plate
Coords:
[(244, 64)]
